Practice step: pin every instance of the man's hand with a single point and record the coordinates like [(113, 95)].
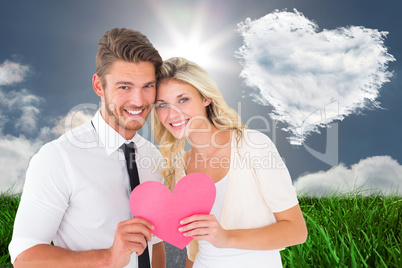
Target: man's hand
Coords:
[(131, 236)]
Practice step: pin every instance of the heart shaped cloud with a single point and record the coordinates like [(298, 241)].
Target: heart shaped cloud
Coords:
[(311, 77), (153, 201)]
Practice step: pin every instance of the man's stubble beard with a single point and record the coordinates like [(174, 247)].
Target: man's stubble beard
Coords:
[(123, 123)]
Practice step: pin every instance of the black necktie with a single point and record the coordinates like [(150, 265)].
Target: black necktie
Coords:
[(129, 153)]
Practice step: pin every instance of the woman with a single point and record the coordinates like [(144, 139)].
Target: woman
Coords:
[(256, 212)]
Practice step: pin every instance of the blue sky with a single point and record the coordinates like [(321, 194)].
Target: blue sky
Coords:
[(47, 59)]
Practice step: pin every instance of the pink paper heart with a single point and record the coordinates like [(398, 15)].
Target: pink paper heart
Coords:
[(153, 201)]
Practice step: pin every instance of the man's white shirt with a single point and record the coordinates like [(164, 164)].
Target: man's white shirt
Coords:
[(77, 190)]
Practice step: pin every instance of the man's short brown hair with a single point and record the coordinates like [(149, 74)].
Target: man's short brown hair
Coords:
[(127, 45)]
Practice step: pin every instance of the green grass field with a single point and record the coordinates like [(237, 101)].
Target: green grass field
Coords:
[(8, 209), (351, 231)]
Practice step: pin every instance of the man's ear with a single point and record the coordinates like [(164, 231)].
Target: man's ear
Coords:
[(97, 85)]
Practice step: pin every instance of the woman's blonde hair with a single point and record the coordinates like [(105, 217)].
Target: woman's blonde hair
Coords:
[(218, 113)]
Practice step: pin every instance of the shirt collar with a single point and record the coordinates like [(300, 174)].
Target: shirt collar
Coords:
[(109, 137)]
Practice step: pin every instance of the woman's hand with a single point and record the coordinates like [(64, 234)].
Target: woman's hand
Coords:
[(289, 229), (205, 227)]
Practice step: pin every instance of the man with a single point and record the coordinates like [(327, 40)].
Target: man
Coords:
[(76, 194)]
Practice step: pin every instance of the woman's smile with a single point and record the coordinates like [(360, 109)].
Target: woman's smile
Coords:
[(179, 124)]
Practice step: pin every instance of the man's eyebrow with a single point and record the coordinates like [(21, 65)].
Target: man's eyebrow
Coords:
[(150, 83), (127, 83), (178, 96), (124, 83)]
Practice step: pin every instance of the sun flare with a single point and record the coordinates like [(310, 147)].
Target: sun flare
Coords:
[(192, 41), (192, 50)]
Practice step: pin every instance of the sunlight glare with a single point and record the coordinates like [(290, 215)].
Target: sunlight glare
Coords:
[(192, 43), (192, 50)]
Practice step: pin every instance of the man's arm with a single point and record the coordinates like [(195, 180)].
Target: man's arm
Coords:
[(130, 237), (158, 255), (47, 255)]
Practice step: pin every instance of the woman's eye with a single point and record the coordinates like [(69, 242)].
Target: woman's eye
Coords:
[(161, 105), (183, 100)]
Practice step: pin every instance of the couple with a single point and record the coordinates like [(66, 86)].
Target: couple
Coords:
[(78, 196)]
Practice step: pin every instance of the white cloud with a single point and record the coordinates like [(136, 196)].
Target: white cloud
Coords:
[(70, 121), (27, 123), (14, 158), (21, 104), (301, 70), (16, 99), (12, 72), (19, 110), (16, 152), (378, 174)]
